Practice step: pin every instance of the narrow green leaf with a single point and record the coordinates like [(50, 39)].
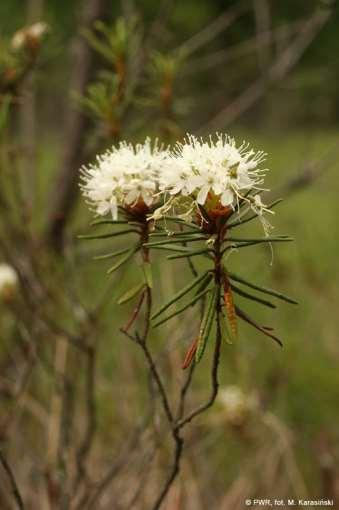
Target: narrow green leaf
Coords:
[(147, 270), (257, 326), (238, 222), (169, 247), (122, 261), (204, 283), (193, 253), (173, 241), (106, 236), (251, 243), (108, 222), (251, 297), (265, 290), (130, 294), (181, 222), (180, 294), (177, 233), (206, 324), (111, 255), (193, 301), (260, 239)]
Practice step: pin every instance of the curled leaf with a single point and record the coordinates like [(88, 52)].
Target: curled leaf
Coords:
[(190, 354), (230, 308), (130, 294)]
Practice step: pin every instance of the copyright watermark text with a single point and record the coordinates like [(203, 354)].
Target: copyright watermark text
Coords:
[(297, 503)]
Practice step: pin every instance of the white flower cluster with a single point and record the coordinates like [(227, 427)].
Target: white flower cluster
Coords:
[(124, 176), (214, 171), (208, 173)]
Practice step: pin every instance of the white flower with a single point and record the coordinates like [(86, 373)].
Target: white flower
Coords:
[(213, 171), (124, 176), (236, 403), (35, 32), (8, 281)]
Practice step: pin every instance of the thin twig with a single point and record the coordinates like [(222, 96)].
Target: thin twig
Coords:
[(183, 391), (13, 484), (179, 443), (212, 30), (311, 171), (87, 442), (157, 379), (278, 70), (121, 460)]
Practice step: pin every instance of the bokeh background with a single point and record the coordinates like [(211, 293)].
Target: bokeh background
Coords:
[(75, 422)]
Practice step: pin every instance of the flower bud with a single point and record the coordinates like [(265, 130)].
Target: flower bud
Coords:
[(29, 37)]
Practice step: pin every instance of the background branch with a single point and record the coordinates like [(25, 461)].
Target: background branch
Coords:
[(279, 69), (76, 130)]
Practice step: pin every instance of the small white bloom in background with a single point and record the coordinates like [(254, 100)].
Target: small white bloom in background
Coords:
[(236, 404), (125, 176), (215, 173), (8, 282), (29, 35)]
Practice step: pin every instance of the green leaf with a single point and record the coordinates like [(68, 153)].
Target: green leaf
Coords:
[(173, 241), (265, 290), (206, 324), (169, 247), (276, 239), (147, 270), (108, 222), (238, 222), (252, 243), (181, 222), (204, 283), (257, 326), (251, 297), (193, 301), (180, 294), (184, 233), (122, 261), (106, 236), (111, 255), (189, 253), (130, 294)]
